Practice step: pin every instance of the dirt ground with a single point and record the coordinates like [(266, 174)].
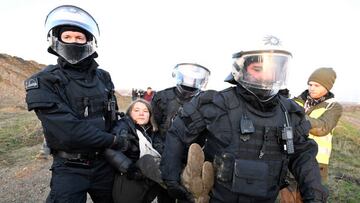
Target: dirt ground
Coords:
[(28, 179)]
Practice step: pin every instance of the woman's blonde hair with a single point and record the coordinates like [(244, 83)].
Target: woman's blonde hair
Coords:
[(148, 106)]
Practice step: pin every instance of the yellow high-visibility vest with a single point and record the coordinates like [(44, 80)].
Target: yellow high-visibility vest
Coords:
[(324, 142)]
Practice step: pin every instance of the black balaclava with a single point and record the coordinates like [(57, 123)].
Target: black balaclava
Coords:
[(252, 100)]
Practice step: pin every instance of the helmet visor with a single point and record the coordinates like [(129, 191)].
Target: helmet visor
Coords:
[(191, 75), (262, 71)]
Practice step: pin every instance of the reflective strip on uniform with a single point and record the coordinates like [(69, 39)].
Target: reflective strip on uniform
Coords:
[(324, 142)]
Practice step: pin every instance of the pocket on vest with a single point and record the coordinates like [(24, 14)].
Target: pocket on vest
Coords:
[(250, 178)]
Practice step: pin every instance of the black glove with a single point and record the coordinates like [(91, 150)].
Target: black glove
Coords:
[(178, 191), (134, 173), (122, 142)]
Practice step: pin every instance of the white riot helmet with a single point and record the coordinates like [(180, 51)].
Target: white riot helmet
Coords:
[(261, 71), (71, 16), (190, 78)]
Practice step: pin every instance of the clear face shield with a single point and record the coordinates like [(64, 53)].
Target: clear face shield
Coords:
[(263, 73), (190, 78), (68, 15)]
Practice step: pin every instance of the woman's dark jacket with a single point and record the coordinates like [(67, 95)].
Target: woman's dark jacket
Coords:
[(127, 128)]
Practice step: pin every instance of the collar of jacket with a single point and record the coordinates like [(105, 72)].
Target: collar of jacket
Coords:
[(253, 101), (84, 70), (305, 94)]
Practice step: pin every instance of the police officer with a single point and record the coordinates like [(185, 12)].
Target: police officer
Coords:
[(253, 134), (75, 103), (190, 78)]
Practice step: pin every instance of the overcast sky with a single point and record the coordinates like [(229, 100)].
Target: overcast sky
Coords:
[(141, 40)]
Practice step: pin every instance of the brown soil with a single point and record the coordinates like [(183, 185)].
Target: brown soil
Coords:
[(26, 180)]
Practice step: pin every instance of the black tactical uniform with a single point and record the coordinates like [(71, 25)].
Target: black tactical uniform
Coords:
[(73, 109), (260, 163), (190, 79), (76, 105), (253, 134), (166, 104)]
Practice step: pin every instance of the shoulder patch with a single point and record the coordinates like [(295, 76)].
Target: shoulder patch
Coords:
[(31, 83)]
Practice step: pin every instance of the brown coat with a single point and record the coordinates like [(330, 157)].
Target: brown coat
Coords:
[(326, 122)]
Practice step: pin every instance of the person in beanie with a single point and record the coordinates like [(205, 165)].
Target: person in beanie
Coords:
[(323, 112)]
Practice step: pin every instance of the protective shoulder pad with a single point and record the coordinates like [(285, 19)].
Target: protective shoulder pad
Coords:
[(231, 100), (105, 78), (197, 101), (33, 81), (169, 93), (46, 75), (51, 68), (53, 74), (206, 97), (40, 89), (164, 95)]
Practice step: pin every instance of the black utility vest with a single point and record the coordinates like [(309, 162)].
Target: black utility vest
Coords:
[(170, 104), (88, 99), (261, 146)]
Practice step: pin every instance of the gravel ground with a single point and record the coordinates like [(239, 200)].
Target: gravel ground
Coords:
[(27, 180)]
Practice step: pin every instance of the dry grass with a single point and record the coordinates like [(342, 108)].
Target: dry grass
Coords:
[(18, 129), (21, 130), (344, 181)]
